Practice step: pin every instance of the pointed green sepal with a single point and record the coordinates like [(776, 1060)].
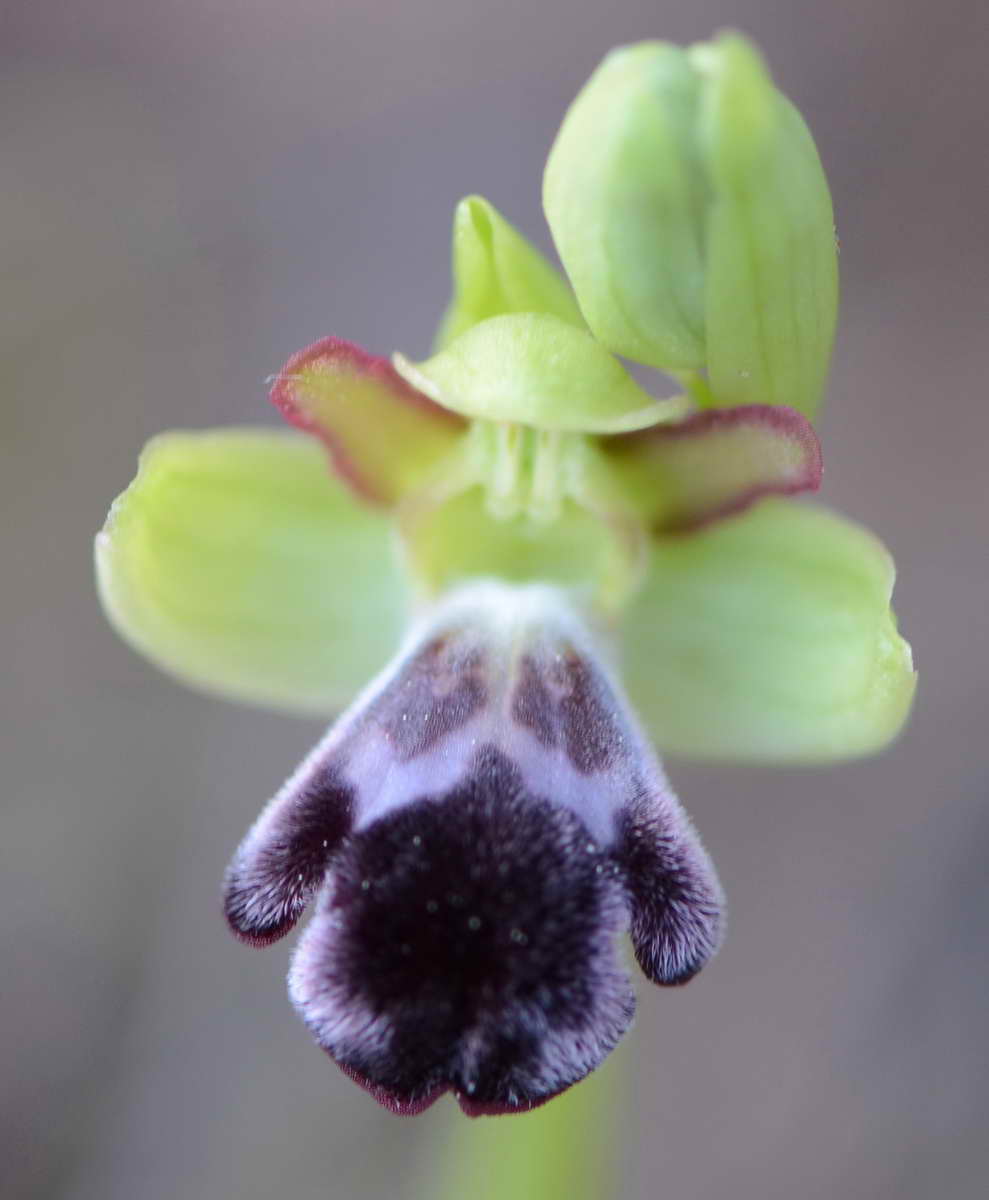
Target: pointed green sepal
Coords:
[(768, 637), (534, 369), (496, 271), (238, 563)]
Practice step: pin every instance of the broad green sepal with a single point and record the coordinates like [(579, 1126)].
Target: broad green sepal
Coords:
[(534, 369), (238, 563), (692, 215), (496, 271), (769, 638), (772, 279)]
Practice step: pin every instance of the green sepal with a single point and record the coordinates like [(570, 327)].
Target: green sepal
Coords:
[(772, 273), (535, 369), (238, 563), (692, 215), (496, 271), (769, 638), (625, 199)]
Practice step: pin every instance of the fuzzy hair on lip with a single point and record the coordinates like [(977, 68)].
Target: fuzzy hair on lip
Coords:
[(477, 830)]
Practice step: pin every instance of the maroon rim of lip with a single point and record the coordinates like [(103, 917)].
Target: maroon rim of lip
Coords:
[(472, 1108)]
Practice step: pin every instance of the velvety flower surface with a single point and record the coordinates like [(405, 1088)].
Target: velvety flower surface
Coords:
[(476, 831), (520, 547)]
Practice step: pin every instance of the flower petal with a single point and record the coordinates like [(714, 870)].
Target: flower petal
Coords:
[(235, 561), (383, 436), (495, 271), (716, 463), (537, 370), (769, 637)]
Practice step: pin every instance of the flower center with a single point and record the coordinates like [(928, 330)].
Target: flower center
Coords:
[(529, 471)]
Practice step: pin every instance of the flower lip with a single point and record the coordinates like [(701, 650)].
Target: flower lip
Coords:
[(478, 828)]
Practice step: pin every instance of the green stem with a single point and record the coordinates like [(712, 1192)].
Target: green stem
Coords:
[(570, 1149)]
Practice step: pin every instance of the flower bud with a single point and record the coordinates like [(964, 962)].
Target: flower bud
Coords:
[(691, 212)]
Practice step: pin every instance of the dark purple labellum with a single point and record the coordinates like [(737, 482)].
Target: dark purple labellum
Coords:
[(479, 828), (474, 934)]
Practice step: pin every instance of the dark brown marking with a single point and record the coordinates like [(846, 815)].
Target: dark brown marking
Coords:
[(533, 705), (436, 693), (566, 700), (592, 738)]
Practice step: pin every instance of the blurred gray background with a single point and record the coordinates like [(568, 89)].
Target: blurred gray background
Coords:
[(192, 190)]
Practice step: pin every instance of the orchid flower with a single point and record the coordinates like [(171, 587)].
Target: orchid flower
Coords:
[(489, 561)]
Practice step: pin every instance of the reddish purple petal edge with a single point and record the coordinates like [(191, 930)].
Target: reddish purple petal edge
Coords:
[(786, 422), (350, 356)]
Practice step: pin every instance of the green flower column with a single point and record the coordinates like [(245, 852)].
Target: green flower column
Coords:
[(489, 560)]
